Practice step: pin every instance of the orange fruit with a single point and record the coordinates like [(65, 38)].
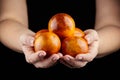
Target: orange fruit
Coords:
[(40, 31), (74, 45), (47, 41), (62, 24), (78, 32)]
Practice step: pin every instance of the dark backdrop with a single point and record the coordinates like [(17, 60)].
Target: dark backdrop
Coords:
[(14, 66)]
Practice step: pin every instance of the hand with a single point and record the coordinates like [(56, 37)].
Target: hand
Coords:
[(82, 59), (36, 58)]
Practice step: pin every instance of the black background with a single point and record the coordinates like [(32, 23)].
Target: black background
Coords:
[(14, 66)]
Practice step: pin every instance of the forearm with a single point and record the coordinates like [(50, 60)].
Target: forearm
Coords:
[(15, 10), (107, 13), (109, 40), (108, 26), (13, 22), (10, 32)]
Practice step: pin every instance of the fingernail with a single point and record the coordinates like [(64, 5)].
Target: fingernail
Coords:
[(41, 54), (79, 58), (67, 58), (54, 59)]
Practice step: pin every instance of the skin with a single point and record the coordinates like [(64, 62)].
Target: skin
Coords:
[(14, 22), (105, 33)]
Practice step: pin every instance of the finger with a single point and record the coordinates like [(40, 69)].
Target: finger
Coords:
[(31, 56), (75, 63), (91, 35), (78, 64), (35, 57), (64, 60), (93, 51), (47, 62), (60, 54), (88, 31), (28, 50), (42, 54), (65, 63), (38, 56)]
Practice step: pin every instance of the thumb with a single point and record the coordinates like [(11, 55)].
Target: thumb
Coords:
[(91, 35), (27, 40)]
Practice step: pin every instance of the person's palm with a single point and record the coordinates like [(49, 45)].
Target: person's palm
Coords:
[(82, 59), (36, 58)]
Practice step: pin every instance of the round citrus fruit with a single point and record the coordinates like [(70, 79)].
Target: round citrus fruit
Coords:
[(62, 24), (74, 45), (78, 32), (47, 41), (40, 31)]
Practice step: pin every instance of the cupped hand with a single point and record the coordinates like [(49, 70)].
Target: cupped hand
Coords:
[(82, 59), (38, 59)]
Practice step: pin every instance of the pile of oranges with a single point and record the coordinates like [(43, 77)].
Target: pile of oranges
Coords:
[(62, 36)]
